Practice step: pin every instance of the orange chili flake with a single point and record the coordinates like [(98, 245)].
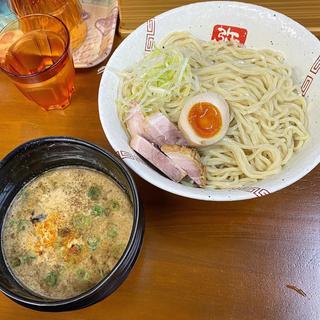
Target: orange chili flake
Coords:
[(47, 233)]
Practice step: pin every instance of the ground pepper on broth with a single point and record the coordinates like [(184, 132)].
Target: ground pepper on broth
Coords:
[(65, 230)]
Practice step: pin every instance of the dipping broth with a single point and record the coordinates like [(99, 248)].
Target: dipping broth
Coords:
[(66, 230)]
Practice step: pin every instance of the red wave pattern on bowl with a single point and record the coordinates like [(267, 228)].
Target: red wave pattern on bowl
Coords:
[(309, 78)]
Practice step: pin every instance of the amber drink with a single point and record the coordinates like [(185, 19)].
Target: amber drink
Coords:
[(35, 55), (68, 11)]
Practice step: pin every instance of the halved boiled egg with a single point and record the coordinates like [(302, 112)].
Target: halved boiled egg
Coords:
[(204, 119)]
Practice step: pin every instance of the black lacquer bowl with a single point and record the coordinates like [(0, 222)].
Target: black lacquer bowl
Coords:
[(32, 159)]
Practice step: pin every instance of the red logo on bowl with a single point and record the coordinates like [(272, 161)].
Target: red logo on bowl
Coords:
[(229, 33)]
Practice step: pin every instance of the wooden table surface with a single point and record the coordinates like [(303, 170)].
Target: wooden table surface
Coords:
[(256, 259), (135, 12)]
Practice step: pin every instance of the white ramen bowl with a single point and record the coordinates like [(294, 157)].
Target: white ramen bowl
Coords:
[(263, 28)]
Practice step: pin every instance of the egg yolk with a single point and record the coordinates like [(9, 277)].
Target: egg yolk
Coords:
[(205, 119)]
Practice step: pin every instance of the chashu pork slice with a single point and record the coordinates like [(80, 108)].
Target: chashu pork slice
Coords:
[(160, 130), (135, 122), (189, 160), (157, 158)]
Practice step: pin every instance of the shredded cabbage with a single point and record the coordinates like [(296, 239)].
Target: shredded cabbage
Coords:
[(161, 77)]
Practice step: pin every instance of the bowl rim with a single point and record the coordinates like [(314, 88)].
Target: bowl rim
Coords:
[(136, 206), (167, 185)]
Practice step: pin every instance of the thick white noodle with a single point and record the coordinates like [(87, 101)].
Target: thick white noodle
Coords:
[(268, 116)]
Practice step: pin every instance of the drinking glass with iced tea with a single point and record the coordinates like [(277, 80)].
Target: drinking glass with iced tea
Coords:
[(35, 55), (68, 11)]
